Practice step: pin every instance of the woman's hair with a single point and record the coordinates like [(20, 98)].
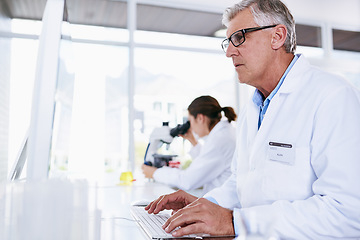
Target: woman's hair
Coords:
[(211, 108), (266, 12)]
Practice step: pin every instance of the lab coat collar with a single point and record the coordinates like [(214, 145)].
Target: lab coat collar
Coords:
[(295, 76), (220, 125)]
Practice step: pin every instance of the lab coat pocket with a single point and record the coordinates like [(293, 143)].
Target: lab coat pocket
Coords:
[(288, 179)]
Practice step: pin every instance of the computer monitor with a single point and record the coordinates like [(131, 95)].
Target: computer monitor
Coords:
[(18, 166)]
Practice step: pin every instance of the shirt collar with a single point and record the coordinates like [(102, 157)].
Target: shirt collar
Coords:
[(258, 98)]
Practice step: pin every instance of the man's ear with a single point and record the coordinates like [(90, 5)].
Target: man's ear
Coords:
[(278, 37)]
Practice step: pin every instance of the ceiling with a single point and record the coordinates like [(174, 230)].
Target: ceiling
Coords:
[(114, 14), (203, 17)]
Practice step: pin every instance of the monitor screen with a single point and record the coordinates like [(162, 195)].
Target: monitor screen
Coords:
[(17, 170)]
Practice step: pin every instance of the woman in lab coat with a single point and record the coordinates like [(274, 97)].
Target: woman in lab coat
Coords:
[(211, 161)]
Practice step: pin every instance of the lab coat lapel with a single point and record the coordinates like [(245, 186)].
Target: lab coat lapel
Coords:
[(263, 132), (292, 81), (252, 119)]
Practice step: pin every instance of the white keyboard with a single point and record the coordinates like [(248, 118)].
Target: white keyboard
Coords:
[(151, 223)]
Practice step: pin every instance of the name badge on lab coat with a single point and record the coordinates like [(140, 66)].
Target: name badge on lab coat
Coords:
[(282, 152)]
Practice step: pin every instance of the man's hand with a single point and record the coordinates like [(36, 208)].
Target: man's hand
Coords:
[(201, 216), (148, 171), (173, 201)]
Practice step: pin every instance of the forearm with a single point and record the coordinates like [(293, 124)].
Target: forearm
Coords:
[(314, 218), (187, 179)]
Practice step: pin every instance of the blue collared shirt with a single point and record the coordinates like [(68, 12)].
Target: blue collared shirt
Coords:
[(258, 98)]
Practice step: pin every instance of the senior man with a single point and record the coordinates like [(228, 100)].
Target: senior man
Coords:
[(296, 169)]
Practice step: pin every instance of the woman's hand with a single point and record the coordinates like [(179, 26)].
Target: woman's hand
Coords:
[(189, 136), (148, 171)]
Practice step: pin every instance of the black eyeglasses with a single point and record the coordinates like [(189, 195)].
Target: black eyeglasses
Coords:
[(238, 37)]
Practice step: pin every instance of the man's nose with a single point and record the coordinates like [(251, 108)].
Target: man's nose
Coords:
[(231, 50)]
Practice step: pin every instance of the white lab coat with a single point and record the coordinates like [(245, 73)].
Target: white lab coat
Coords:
[(311, 191), (211, 162)]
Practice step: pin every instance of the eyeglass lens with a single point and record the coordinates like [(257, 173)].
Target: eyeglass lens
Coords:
[(237, 39)]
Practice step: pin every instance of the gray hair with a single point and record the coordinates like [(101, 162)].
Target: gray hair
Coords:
[(266, 12)]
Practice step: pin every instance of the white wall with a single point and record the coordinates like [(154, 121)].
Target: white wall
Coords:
[(4, 95), (339, 14)]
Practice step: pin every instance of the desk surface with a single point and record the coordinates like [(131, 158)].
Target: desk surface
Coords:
[(60, 209), (114, 201)]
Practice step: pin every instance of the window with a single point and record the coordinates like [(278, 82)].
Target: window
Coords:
[(307, 35), (346, 40), (90, 123), (21, 65), (166, 83)]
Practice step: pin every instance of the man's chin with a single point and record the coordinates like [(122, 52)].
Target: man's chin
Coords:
[(242, 81)]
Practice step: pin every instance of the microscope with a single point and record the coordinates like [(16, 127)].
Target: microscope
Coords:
[(158, 137)]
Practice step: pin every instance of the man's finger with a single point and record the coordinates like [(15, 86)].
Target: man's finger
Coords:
[(198, 227), (183, 217), (157, 207), (152, 206)]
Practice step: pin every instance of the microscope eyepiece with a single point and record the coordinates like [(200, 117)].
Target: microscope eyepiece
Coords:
[(180, 129)]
